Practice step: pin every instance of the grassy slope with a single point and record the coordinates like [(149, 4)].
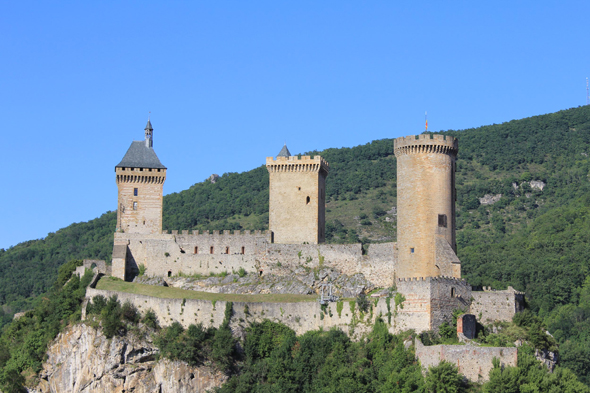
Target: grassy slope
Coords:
[(111, 284)]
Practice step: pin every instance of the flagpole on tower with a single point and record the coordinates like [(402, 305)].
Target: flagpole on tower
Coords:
[(426, 121)]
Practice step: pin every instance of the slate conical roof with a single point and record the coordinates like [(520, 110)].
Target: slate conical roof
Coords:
[(284, 152), (149, 126)]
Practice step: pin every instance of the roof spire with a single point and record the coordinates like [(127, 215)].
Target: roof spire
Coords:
[(149, 133), (284, 152)]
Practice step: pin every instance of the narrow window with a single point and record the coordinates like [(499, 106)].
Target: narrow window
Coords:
[(308, 200), (412, 250), (452, 292), (243, 250), (196, 250), (211, 250), (227, 250), (134, 205), (442, 220), (169, 273)]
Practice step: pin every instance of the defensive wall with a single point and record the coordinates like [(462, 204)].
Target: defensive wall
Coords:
[(168, 254), (473, 362), (301, 317), (430, 301), (490, 305)]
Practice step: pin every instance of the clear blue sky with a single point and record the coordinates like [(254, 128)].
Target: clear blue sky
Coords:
[(228, 82)]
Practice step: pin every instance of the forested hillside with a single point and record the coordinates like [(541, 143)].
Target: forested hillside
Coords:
[(535, 240)]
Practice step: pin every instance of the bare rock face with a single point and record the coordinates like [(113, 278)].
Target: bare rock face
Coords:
[(489, 199), (82, 359)]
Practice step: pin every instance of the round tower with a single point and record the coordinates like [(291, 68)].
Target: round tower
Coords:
[(426, 206)]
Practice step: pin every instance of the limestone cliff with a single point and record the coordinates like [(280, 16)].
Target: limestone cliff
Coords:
[(82, 359)]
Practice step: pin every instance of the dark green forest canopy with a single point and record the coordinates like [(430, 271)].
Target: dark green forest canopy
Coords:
[(534, 240)]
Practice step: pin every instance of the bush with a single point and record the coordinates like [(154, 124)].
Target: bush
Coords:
[(111, 317), (362, 302), (150, 319), (242, 272), (129, 312), (444, 378), (96, 305)]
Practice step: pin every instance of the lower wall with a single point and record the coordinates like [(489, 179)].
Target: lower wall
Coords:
[(473, 362), (301, 317), (489, 305)]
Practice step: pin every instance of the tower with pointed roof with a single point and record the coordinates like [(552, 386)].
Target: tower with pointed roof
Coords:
[(140, 180), (297, 198)]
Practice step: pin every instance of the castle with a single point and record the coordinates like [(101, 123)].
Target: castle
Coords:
[(423, 265)]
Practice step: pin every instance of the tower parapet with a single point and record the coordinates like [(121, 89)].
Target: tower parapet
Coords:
[(426, 206), (297, 198)]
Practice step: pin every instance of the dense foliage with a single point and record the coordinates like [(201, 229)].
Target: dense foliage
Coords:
[(24, 341)]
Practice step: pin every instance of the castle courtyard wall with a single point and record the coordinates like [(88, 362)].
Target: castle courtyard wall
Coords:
[(172, 253), (490, 305), (473, 362)]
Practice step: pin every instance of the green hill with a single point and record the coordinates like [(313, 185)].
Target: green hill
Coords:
[(536, 240)]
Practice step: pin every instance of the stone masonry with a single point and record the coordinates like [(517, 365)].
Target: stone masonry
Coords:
[(297, 199), (426, 206)]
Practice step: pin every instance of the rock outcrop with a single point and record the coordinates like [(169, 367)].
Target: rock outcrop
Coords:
[(82, 359)]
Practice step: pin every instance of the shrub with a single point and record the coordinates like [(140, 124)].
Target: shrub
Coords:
[(242, 272), (96, 305), (150, 319), (111, 317), (362, 302), (129, 312), (142, 269)]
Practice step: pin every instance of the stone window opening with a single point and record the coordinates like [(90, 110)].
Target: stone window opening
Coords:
[(211, 250), (227, 250), (298, 188), (307, 200), (196, 250), (442, 220), (452, 292), (169, 273), (411, 250), (134, 205), (135, 192), (243, 250), (143, 222)]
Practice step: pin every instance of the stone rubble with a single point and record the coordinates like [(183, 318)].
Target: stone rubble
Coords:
[(300, 281)]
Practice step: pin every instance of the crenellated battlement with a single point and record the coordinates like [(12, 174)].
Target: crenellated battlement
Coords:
[(450, 279), (186, 232), (140, 175), (425, 143), (297, 164)]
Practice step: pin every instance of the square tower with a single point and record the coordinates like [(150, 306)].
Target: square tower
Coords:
[(140, 180), (297, 198)]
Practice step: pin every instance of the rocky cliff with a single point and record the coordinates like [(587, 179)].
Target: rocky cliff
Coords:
[(82, 359)]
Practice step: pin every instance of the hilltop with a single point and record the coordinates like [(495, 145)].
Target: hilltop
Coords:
[(534, 236)]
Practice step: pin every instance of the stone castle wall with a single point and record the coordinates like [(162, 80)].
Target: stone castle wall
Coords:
[(171, 254), (489, 305), (301, 317), (426, 202), (297, 199), (473, 362), (430, 301)]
